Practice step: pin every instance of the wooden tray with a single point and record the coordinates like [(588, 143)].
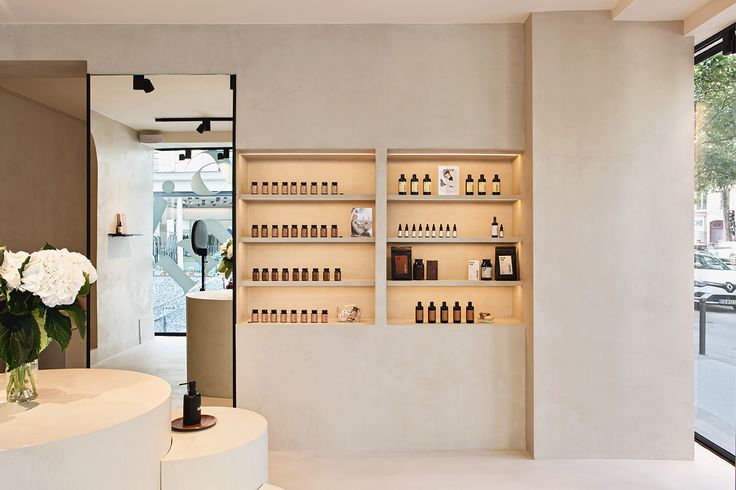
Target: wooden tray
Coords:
[(206, 422)]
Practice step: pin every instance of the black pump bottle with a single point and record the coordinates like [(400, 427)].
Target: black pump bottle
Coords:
[(192, 404)]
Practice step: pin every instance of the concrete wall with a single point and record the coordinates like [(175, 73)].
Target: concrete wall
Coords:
[(612, 126), (124, 265)]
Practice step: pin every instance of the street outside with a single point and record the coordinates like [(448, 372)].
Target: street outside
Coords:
[(715, 377)]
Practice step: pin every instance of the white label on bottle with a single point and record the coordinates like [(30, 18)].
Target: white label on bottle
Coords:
[(468, 187), (494, 230), (402, 187), (415, 187), (427, 187), (485, 272), (497, 187), (481, 187)]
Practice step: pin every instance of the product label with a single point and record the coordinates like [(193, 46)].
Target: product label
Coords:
[(494, 230), (427, 187), (481, 187), (415, 187), (485, 272), (468, 187), (497, 187), (402, 187)]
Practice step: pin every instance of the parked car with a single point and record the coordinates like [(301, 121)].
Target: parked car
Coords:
[(715, 281), (726, 251)]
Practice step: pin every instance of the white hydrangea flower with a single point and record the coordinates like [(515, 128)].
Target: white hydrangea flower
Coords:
[(10, 268), (56, 276)]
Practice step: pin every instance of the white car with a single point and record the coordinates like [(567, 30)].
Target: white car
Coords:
[(715, 282), (726, 251)]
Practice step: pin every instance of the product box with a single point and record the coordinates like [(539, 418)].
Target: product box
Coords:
[(473, 270), (432, 270), (401, 263)]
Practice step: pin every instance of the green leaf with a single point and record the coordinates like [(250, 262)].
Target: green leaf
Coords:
[(48, 246), (58, 327), (20, 302), (84, 290), (20, 339), (77, 316)]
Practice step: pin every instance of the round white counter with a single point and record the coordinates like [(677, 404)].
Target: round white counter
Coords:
[(88, 429), (210, 342)]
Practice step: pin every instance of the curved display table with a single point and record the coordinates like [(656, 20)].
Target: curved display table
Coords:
[(210, 342), (231, 455), (88, 429)]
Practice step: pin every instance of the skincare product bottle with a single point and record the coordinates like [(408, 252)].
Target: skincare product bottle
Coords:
[(419, 234), (313, 188), (402, 185), (264, 188), (419, 313), (447, 231), (414, 185), (413, 231), (400, 233), (314, 318), (254, 187), (264, 316), (315, 274), (313, 231), (294, 231), (275, 188), (284, 274), (426, 231), (326, 274), (192, 404), (334, 188), (293, 317), (254, 231), (284, 317), (284, 231), (406, 231), (293, 189), (256, 274), (482, 185), (434, 231), (334, 233), (325, 316), (285, 188), (274, 274), (338, 274), (274, 231), (304, 317), (432, 313), (264, 231), (457, 313), (305, 232), (305, 274), (442, 233), (265, 276), (469, 184), (427, 185), (274, 317), (486, 270), (323, 231), (496, 186), (254, 316), (500, 231), (295, 274), (494, 228), (469, 313), (302, 188), (325, 189), (444, 313), (454, 231), (418, 270)]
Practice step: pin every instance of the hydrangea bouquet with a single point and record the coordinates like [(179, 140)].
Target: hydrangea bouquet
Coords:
[(39, 304), (226, 262)]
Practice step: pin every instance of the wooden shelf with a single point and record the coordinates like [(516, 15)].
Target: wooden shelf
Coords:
[(306, 197), (449, 241), (362, 323), (324, 241), (498, 322), (306, 284), (460, 284), (463, 198)]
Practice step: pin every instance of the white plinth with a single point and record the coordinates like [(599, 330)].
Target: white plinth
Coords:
[(231, 455), (88, 429)]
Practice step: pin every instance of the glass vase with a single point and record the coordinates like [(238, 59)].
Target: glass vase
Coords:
[(23, 383)]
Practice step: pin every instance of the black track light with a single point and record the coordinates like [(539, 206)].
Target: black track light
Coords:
[(204, 126), (140, 82), (187, 155), (224, 154)]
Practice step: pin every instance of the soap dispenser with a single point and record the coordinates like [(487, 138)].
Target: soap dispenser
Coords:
[(192, 404)]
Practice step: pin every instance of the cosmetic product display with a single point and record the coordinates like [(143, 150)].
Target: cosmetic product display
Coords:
[(295, 274), (313, 317), (285, 188), (264, 231), (401, 263), (500, 231), (338, 274), (400, 233), (420, 233), (254, 187), (313, 189), (274, 188), (454, 231), (313, 231), (402, 185), (284, 274), (192, 404), (274, 317), (419, 313), (414, 185), (326, 274), (434, 231), (496, 186), (285, 231), (457, 313), (486, 270), (293, 189), (442, 232), (494, 228), (444, 313), (482, 185), (334, 190), (284, 317), (294, 232), (432, 270), (274, 231), (304, 232), (325, 189), (413, 231), (264, 316), (334, 233), (265, 276), (305, 274), (324, 318), (274, 274), (264, 188), (304, 317), (256, 274), (303, 188), (470, 313), (426, 185), (323, 231), (432, 313), (254, 231), (254, 316), (469, 185), (293, 317), (473, 270), (418, 270), (315, 274)]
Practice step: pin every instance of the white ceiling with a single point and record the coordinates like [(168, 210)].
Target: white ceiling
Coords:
[(320, 11), (174, 96)]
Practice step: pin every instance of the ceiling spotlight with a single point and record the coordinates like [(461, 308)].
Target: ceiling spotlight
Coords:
[(140, 82), (187, 155), (223, 154), (204, 126)]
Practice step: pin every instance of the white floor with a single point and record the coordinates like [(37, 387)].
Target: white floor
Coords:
[(482, 470)]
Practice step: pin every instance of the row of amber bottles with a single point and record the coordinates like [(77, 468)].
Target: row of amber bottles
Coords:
[(283, 317), (294, 232), (273, 275), (444, 315), (287, 189)]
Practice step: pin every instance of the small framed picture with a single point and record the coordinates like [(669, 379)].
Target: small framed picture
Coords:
[(506, 264), (361, 222), (449, 180)]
